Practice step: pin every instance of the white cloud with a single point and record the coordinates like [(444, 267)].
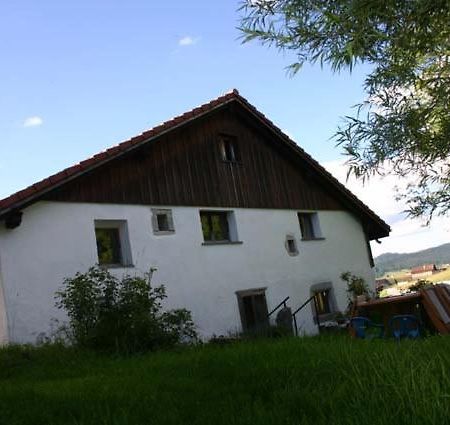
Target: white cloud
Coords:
[(407, 235), (33, 121), (187, 41)]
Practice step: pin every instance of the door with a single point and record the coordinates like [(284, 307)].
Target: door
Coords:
[(253, 309)]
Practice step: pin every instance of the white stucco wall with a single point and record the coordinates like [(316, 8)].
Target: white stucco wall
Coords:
[(56, 240)]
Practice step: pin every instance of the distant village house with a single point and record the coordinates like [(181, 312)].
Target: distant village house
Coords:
[(424, 271)]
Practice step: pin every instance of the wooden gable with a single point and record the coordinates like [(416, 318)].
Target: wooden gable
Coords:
[(178, 163), (185, 168)]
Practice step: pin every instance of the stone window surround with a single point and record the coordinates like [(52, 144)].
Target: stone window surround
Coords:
[(155, 226), (322, 286), (291, 237)]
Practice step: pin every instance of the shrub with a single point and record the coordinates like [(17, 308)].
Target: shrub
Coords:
[(123, 315), (420, 284)]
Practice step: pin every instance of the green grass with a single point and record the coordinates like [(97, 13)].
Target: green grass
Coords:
[(288, 381), (440, 276)]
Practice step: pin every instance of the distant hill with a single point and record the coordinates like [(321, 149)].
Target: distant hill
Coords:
[(395, 261)]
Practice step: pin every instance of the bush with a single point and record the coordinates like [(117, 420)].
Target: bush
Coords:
[(121, 315), (420, 284)]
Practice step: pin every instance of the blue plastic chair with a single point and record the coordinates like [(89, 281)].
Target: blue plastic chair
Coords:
[(362, 327), (405, 326)]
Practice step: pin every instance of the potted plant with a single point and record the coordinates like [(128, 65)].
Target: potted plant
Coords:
[(357, 288)]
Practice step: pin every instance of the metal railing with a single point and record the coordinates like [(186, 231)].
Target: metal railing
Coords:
[(301, 307), (283, 303)]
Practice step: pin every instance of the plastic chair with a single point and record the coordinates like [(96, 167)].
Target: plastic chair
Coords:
[(362, 326), (405, 326)]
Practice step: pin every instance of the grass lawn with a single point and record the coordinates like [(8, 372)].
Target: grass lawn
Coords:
[(288, 381), (438, 277)]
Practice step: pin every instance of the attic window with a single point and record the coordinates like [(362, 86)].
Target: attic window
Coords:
[(228, 149)]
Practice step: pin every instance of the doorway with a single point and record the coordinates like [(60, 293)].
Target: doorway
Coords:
[(253, 309)]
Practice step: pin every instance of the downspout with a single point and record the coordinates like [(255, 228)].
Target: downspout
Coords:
[(3, 317)]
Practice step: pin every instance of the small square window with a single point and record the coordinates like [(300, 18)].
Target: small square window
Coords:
[(112, 243), (228, 149), (291, 246), (162, 221), (309, 226)]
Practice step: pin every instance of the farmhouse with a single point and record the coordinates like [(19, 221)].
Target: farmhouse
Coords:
[(423, 271), (234, 216)]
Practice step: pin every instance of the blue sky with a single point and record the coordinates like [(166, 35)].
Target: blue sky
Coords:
[(80, 76)]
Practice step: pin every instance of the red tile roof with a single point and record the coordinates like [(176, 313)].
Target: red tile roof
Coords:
[(423, 268), (32, 193)]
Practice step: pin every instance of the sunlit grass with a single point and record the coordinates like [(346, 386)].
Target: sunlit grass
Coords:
[(287, 381), (440, 276)]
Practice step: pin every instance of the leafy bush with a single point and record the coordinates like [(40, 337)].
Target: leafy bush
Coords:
[(420, 284), (123, 315)]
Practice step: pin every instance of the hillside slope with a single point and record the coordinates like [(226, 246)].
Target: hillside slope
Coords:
[(396, 261)]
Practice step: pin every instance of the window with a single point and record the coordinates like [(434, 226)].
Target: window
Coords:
[(309, 226), (322, 300), (162, 221), (112, 243), (215, 226), (324, 305), (291, 245), (218, 227), (228, 149)]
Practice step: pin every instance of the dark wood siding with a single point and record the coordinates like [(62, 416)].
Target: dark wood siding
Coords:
[(184, 167)]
